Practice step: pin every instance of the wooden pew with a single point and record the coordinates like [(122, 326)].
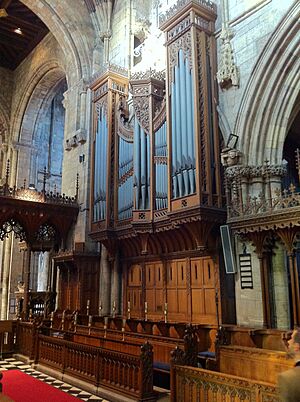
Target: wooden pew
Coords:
[(253, 363), (195, 384), (106, 365), (127, 373)]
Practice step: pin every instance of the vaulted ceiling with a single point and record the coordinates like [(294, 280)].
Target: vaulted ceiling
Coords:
[(20, 31)]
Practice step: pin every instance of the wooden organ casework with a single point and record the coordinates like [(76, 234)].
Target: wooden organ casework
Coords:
[(156, 187)]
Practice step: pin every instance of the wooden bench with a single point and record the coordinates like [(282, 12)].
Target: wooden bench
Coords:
[(253, 363)]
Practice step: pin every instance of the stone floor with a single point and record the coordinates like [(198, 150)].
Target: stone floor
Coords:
[(13, 364)]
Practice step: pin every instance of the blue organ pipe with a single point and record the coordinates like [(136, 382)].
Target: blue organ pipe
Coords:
[(190, 127), (183, 115), (143, 167), (174, 144), (183, 111), (96, 174), (189, 108), (148, 170), (178, 133), (99, 171), (102, 166), (137, 161)]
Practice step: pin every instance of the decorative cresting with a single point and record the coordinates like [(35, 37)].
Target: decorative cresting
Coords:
[(192, 130), (150, 140), (112, 148), (255, 192), (181, 4), (25, 210)]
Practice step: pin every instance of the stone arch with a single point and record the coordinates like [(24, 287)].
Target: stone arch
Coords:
[(271, 94), (44, 78), (66, 25)]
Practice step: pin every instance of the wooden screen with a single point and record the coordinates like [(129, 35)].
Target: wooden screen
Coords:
[(134, 290), (154, 275), (177, 291), (203, 284), (188, 286)]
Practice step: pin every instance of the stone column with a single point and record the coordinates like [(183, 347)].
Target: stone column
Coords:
[(105, 286), (43, 271), (6, 274), (116, 284)]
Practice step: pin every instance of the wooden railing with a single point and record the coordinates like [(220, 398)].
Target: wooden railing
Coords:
[(26, 339), (107, 365), (122, 372), (7, 337), (197, 385)]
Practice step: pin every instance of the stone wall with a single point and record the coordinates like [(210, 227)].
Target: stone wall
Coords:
[(252, 23)]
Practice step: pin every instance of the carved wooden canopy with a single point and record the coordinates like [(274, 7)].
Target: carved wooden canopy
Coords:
[(41, 219)]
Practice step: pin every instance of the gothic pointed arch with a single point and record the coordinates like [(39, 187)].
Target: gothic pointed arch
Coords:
[(271, 93), (42, 80), (65, 24)]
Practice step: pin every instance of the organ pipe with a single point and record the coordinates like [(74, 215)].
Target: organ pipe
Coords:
[(182, 119), (100, 172)]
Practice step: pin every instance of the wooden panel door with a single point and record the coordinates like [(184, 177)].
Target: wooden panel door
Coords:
[(203, 290), (154, 289), (177, 295), (134, 291)]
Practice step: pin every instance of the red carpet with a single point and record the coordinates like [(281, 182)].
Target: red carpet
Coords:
[(21, 387)]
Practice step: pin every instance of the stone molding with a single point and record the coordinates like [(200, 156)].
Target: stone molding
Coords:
[(250, 172)]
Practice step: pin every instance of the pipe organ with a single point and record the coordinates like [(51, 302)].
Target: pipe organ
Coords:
[(141, 167), (161, 168), (182, 128), (100, 172), (125, 176), (157, 198)]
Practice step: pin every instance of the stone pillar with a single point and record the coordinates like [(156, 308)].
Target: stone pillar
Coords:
[(5, 276), (43, 269), (97, 55), (105, 286), (116, 284)]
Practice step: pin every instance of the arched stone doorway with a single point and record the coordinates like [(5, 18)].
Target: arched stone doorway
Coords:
[(271, 94)]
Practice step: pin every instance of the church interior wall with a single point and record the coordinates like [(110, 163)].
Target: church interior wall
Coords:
[(249, 301), (252, 23)]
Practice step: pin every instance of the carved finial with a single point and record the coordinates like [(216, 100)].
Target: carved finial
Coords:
[(227, 74), (24, 184), (292, 188)]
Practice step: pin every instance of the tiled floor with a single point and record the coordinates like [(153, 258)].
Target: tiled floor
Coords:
[(11, 363)]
